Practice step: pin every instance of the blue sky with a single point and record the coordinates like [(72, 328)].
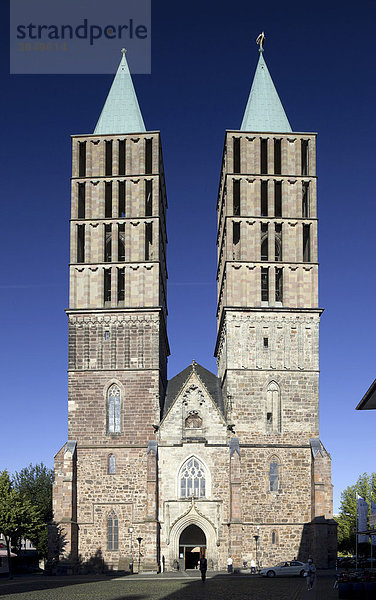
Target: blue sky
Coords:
[(321, 57)]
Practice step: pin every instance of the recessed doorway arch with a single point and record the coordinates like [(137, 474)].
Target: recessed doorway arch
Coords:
[(192, 545), (193, 517)]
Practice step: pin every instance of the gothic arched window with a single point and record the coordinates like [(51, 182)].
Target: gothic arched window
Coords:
[(113, 409), (112, 532), (193, 421), (273, 408), (111, 464), (273, 476), (192, 479)]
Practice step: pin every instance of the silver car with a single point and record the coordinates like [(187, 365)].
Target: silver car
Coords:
[(286, 568)]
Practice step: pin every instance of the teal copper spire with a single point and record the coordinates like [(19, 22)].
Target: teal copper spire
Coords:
[(264, 110), (121, 112)]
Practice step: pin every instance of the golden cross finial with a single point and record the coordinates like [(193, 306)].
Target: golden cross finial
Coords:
[(260, 41)]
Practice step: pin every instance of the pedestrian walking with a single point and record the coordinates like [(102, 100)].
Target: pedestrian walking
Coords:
[(229, 565), (253, 567), (203, 568), (310, 574)]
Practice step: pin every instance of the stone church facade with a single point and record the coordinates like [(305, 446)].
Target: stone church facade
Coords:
[(156, 471)]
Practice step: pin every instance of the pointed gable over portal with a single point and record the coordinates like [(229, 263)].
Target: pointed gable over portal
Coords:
[(121, 112), (264, 110), (177, 384), (193, 409)]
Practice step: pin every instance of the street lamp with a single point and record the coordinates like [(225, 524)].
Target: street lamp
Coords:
[(257, 537), (131, 561), (139, 539)]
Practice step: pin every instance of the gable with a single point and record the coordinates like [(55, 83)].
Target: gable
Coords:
[(208, 380), (192, 414)]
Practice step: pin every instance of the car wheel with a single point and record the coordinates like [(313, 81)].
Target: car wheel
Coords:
[(270, 574), (302, 573)]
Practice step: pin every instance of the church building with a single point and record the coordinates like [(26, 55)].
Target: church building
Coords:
[(157, 471)]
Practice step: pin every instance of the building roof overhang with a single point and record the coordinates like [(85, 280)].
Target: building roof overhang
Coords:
[(368, 402)]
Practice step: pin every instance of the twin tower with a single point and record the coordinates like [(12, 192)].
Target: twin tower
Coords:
[(157, 472)]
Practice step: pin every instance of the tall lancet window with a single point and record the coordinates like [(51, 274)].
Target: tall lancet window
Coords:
[(111, 464), (273, 476), (112, 532), (113, 409), (192, 479), (273, 408)]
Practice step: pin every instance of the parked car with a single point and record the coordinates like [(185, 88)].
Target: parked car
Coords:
[(286, 568)]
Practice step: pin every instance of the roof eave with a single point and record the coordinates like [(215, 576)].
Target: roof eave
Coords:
[(367, 397)]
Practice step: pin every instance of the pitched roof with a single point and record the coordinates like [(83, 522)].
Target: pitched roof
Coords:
[(210, 381), (264, 110), (368, 402), (121, 112)]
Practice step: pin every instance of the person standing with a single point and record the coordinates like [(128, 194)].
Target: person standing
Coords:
[(310, 574), (253, 567), (203, 568), (229, 565)]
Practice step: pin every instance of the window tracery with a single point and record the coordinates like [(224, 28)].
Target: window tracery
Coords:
[(192, 479), (112, 532)]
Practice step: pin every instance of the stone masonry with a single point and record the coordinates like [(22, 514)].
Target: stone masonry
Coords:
[(268, 340), (116, 337), (155, 472)]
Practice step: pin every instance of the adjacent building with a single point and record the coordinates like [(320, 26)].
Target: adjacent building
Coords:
[(368, 402)]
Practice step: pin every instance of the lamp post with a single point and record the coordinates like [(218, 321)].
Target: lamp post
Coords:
[(257, 537), (139, 539), (131, 561)]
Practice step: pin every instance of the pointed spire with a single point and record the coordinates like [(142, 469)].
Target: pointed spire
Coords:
[(121, 112), (264, 110)]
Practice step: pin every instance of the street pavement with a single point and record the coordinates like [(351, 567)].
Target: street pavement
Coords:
[(168, 586)]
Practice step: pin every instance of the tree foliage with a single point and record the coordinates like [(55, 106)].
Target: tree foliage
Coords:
[(34, 484), (19, 517), (366, 488)]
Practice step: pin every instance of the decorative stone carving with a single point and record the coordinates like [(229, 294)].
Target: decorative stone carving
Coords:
[(193, 393)]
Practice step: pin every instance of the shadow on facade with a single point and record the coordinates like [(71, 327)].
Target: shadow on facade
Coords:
[(319, 540), (57, 543)]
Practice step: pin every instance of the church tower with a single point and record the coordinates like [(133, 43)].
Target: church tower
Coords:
[(222, 465), (105, 476), (268, 330)]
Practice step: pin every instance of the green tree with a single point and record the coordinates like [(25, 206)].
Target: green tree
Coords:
[(18, 516), (34, 483), (366, 488)]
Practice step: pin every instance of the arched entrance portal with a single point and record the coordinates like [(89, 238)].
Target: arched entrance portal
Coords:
[(192, 543)]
